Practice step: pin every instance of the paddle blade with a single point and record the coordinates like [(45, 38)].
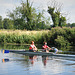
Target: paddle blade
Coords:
[(5, 51)]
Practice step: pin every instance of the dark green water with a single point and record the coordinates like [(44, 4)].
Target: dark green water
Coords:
[(11, 46), (39, 46)]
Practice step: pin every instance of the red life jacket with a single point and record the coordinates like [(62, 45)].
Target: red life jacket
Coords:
[(45, 46), (31, 47)]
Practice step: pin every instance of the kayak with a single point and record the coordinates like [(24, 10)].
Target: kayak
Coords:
[(26, 52)]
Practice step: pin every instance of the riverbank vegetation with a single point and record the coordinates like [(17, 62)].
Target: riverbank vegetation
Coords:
[(59, 37), (25, 23)]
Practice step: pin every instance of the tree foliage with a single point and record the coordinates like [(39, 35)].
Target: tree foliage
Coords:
[(57, 18), (7, 24), (1, 25), (26, 17), (70, 25)]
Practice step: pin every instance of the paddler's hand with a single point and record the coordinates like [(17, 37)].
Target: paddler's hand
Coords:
[(51, 49)]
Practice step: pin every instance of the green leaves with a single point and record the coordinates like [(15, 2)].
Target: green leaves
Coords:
[(61, 41), (27, 17), (61, 37), (57, 18), (7, 24)]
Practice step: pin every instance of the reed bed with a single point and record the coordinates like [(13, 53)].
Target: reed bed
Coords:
[(61, 37), (21, 36)]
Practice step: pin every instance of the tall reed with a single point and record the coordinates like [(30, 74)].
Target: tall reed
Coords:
[(22, 37), (61, 37)]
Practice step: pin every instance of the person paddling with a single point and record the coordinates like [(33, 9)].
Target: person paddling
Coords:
[(45, 48), (32, 47)]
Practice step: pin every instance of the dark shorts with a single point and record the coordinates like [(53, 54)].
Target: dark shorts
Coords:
[(31, 50), (43, 50)]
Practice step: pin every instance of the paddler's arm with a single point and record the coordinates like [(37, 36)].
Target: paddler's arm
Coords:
[(35, 48), (49, 48), (43, 47)]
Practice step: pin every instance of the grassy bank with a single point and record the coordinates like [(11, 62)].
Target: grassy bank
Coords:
[(21, 37), (60, 37)]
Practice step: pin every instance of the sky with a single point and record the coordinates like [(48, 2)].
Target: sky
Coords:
[(68, 7)]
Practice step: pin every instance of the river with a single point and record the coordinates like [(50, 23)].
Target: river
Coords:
[(18, 64)]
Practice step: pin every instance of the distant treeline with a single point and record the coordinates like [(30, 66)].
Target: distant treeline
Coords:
[(7, 23), (25, 16), (60, 37)]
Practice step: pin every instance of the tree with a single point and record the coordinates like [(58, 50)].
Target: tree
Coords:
[(1, 25), (7, 24), (62, 21), (71, 25), (54, 10), (26, 17)]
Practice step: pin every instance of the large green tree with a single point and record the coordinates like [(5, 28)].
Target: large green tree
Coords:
[(26, 17), (54, 11), (22, 16)]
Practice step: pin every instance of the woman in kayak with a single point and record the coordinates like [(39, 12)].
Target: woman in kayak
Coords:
[(32, 47), (45, 48)]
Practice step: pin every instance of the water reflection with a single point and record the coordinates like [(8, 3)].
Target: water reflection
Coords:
[(32, 59), (44, 60), (35, 65), (5, 60), (17, 46), (10, 46)]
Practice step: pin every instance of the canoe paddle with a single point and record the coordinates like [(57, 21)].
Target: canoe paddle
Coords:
[(4, 51)]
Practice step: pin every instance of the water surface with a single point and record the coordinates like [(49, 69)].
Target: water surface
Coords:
[(18, 64)]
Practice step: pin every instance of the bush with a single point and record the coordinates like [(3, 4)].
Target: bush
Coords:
[(61, 42), (60, 37)]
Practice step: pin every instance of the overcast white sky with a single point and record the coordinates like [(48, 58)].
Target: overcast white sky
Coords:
[(68, 7)]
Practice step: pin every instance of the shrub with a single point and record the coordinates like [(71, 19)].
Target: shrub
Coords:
[(61, 42), (56, 36)]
